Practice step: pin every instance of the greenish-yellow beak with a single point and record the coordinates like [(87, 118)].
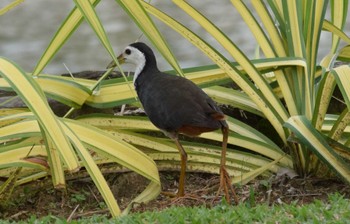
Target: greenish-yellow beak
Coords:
[(121, 60)]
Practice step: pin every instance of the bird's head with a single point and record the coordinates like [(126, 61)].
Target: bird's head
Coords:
[(138, 54)]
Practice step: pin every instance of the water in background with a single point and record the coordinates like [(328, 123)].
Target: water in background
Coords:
[(27, 30)]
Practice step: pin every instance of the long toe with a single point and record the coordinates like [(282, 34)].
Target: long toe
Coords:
[(226, 186), (180, 193), (169, 194)]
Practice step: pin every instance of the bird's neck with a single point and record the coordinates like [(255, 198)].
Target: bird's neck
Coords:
[(142, 71), (138, 70)]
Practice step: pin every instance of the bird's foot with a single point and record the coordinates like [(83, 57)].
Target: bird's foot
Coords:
[(226, 186)]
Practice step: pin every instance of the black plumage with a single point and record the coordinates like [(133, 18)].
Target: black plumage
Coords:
[(171, 101), (175, 105)]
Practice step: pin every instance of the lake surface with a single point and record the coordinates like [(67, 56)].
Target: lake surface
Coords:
[(27, 30)]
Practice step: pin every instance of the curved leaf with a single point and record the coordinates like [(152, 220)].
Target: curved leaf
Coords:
[(309, 136), (31, 93), (145, 23), (344, 54), (64, 32)]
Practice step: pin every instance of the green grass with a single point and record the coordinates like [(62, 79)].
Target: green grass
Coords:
[(335, 210)]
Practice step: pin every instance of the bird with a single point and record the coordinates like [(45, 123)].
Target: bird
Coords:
[(176, 106)]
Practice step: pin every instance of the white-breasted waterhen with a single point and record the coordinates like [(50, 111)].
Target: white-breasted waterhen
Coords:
[(176, 106)]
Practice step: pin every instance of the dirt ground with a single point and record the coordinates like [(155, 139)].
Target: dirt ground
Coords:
[(82, 199)]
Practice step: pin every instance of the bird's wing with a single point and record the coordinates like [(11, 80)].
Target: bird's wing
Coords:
[(173, 102)]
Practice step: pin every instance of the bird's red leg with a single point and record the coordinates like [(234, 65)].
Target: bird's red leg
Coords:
[(181, 191), (225, 180)]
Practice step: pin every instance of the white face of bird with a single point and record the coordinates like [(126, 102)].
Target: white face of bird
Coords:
[(134, 56)]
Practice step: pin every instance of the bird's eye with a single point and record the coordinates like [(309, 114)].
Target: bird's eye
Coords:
[(128, 51)]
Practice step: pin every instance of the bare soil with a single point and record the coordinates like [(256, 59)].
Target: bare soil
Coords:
[(82, 199)]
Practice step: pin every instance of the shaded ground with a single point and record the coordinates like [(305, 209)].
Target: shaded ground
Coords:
[(82, 198)]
